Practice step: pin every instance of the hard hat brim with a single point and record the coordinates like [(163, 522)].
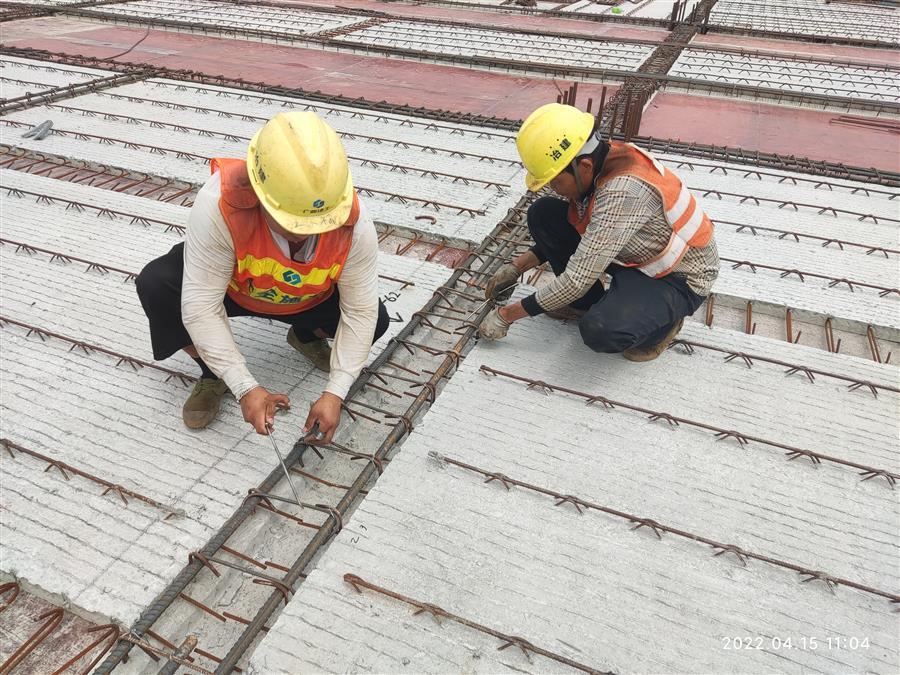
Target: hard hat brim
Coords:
[(533, 183), (539, 141), (302, 225)]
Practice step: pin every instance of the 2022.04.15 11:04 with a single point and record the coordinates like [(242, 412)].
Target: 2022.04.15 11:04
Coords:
[(802, 642)]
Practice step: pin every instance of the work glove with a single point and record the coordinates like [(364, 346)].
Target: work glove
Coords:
[(499, 286), (493, 327)]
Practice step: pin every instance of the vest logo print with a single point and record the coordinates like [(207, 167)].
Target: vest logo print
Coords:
[(264, 279), (319, 203)]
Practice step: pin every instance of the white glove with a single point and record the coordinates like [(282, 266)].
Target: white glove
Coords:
[(504, 279), (493, 327)]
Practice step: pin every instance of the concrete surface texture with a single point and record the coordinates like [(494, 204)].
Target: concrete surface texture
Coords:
[(77, 405), (392, 163), (23, 76), (729, 507), (338, 73), (849, 80), (581, 584), (38, 3), (809, 17), (460, 41), (280, 20)]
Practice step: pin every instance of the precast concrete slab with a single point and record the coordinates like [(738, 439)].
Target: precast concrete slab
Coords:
[(539, 6), (644, 9), (505, 46), (463, 44), (457, 88), (28, 76), (864, 82), (66, 398), (523, 18), (659, 9), (808, 17), (274, 19), (776, 47), (511, 536), (392, 157), (43, 3)]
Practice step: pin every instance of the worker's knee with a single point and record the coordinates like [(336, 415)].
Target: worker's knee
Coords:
[(384, 321), (545, 215), (606, 333), (159, 283), (150, 282)]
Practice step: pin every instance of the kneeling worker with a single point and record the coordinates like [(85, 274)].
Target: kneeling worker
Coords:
[(624, 214), (283, 236)]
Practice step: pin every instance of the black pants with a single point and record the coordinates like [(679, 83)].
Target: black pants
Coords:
[(635, 311), (159, 289)]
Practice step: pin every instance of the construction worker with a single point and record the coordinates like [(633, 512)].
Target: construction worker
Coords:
[(623, 214), (283, 236)]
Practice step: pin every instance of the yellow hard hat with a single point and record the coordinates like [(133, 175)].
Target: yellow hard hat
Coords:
[(549, 139), (298, 169)]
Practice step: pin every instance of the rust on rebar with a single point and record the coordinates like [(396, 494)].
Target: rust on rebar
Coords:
[(710, 315), (749, 325), (749, 359), (51, 620), (88, 348), (109, 633), (832, 346), (199, 605), (658, 528), (65, 468), (104, 211), (438, 613), (9, 591), (801, 275), (168, 655), (675, 421)]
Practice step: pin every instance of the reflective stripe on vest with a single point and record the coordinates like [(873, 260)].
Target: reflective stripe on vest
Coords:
[(264, 279), (690, 225)]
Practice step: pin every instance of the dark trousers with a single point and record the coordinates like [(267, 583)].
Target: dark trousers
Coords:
[(159, 289), (635, 311)]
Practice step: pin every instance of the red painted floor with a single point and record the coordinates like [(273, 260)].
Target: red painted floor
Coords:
[(790, 48), (374, 78), (489, 18), (769, 128)]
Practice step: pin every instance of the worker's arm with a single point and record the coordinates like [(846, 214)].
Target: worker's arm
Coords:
[(620, 211), (358, 286), (208, 265)]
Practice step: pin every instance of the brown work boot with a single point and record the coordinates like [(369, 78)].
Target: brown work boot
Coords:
[(650, 352), (316, 351), (202, 405), (566, 313)]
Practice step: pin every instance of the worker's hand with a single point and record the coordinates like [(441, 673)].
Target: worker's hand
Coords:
[(259, 406), (503, 280), (494, 327), (326, 412)]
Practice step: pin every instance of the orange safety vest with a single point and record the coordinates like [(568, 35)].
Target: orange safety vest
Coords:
[(690, 225), (264, 280)]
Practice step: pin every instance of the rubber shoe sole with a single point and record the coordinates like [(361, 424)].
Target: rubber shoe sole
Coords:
[(643, 354)]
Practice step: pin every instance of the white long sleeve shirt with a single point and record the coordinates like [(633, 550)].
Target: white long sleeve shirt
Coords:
[(209, 260)]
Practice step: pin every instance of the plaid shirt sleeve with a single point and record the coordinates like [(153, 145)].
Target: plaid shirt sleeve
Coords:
[(622, 207), (628, 225)]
